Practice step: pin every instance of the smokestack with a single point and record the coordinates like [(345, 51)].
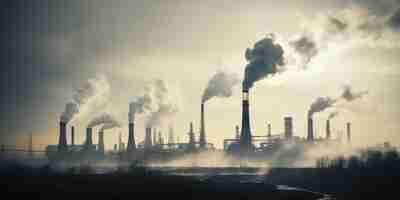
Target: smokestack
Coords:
[(237, 132), (288, 127), (348, 126), (154, 136), (88, 137), (269, 130), (131, 138), (147, 139), (245, 136), (62, 141), (202, 139), (310, 132), (328, 129), (192, 141), (72, 136), (171, 136), (101, 142)]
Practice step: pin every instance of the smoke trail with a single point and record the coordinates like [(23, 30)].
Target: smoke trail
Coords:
[(93, 90), (306, 47), (349, 95), (107, 126), (220, 85), (264, 59), (320, 104), (333, 114), (157, 102), (104, 119)]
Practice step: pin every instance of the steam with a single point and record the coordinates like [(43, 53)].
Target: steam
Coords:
[(349, 95), (157, 102), (94, 89), (105, 119), (264, 59), (220, 85), (320, 104)]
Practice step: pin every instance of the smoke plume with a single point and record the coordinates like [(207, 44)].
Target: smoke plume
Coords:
[(93, 90), (306, 47), (263, 59), (104, 119), (220, 85), (107, 126), (320, 104), (349, 95), (157, 102)]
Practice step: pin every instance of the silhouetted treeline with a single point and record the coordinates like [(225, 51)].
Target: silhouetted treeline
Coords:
[(372, 173)]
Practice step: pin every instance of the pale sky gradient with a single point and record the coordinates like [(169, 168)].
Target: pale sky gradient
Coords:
[(185, 43)]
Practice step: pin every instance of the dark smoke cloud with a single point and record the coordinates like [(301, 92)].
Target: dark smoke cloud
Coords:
[(349, 95), (306, 47), (263, 59), (377, 7), (157, 102), (394, 21), (336, 25), (320, 104), (104, 119), (220, 85), (92, 90)]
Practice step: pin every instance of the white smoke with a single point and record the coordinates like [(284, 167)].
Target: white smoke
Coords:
[(220, 85), (157, 103), (105, 119), (97, 89)]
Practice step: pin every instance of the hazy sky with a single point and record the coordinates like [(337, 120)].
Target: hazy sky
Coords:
[(50, 48)]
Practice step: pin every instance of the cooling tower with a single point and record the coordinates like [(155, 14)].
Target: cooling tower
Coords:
[(328, 129), (202, 139), (62, 140), (101, 142), (288, 123), (192, 141), (310, 130), (245, 135), (131, 138)]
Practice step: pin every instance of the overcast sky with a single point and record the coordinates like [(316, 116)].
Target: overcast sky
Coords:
[(51, 48)]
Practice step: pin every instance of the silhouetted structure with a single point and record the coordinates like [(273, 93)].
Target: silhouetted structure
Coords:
[(147, 140), (101, 142), (131, 137), (62, 140), (88, 142), (245, 136), (237, 132), (269, 130), (328, 129), (348, 128), (202, 139), (288, 127), (72, 136), (310, 130), (192, 142)]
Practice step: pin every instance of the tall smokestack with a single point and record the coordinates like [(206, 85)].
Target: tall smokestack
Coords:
[(328, 129), (191, 144), (348, 127), (131, 138), (89, 141), (237, 132), (62, 141), (288, 127), (154, 136), (269, 130), (310, 131), (202, 139), (72, 136), (245, 136), (101, 142), (147, 140)]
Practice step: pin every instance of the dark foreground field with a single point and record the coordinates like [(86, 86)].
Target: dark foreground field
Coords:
[(119, 186)]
